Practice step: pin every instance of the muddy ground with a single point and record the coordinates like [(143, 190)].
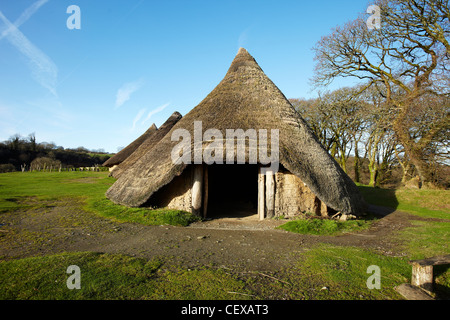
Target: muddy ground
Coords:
[(241, 244)]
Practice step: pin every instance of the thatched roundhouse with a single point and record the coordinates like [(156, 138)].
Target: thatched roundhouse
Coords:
[(306, 179), (119, 157)]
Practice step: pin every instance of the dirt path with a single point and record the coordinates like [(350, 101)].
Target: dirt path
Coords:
[(245, 244)]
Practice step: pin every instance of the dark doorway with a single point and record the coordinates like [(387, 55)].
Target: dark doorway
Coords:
[(232, 190)]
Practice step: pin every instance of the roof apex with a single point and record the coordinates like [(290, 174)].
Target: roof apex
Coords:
[(242, 50), (243, 58)]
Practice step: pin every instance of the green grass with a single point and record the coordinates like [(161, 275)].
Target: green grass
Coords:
[(426, 239), (325, 226), (343, 271), (328, 272), (17, 189), (17, 186), (423, 203), (107, 209), (321, 272), (111, 276)]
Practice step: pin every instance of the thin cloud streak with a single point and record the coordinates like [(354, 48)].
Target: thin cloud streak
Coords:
[(24, 16), (243, 37), (43, 69), (137, 118), (159, 109), (125, 92)]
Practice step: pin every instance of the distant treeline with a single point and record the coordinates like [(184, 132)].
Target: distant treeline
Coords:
[(20, 152)]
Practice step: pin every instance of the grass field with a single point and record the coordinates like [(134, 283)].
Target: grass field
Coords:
[(321, 271), (89, 186), (423, 203)]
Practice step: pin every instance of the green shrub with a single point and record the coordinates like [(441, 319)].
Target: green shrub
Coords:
[(8, 167)]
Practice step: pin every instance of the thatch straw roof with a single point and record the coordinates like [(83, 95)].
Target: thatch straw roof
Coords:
[(147, 144), (128, 150), (245, 99)]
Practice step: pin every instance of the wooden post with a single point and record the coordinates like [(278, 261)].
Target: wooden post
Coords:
[(197, 189), (270, 194), (422, 276), (261, 199), (323, 209), (205, 191)]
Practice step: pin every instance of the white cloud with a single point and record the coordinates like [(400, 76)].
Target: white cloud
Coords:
[(43, 68), (124, 93), (137, 118), (24, 16), (159, 109)]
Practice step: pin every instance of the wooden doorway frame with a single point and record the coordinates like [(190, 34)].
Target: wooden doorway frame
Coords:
[(266, 192)]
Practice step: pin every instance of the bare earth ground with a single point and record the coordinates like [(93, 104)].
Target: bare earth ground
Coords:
[(238, 243)]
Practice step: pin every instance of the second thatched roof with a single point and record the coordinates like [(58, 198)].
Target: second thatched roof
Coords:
[(146, 145), (128, 150)]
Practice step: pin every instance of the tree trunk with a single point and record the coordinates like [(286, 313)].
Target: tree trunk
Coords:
[(373, 174), (417, 158), (357, 165), (373, 166), (424, 170), (406, 167), (372, 152), (333, 150), (406, 176), (413, 149), (343, 161)]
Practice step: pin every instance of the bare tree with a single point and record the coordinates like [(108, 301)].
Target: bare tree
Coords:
[(408, 56), (318, 118)]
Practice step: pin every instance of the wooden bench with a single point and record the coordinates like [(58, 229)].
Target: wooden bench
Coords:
[(422, 278)]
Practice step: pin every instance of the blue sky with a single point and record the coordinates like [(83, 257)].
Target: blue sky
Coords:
[(135, 62)]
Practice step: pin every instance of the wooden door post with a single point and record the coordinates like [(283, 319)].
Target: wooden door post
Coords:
[(261, 193), (270, 194), (197, 189), (205, 190)]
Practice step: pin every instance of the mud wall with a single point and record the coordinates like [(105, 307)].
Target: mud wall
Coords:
[(293, 197)]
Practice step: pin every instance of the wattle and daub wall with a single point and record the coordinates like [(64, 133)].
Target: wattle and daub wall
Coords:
[(292, 195)]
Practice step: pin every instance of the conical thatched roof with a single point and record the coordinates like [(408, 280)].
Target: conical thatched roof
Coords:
[(245, 99), (128, 150), (146, 145)]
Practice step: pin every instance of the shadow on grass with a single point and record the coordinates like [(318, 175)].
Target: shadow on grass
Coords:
[(381, 201), (442, 288)]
